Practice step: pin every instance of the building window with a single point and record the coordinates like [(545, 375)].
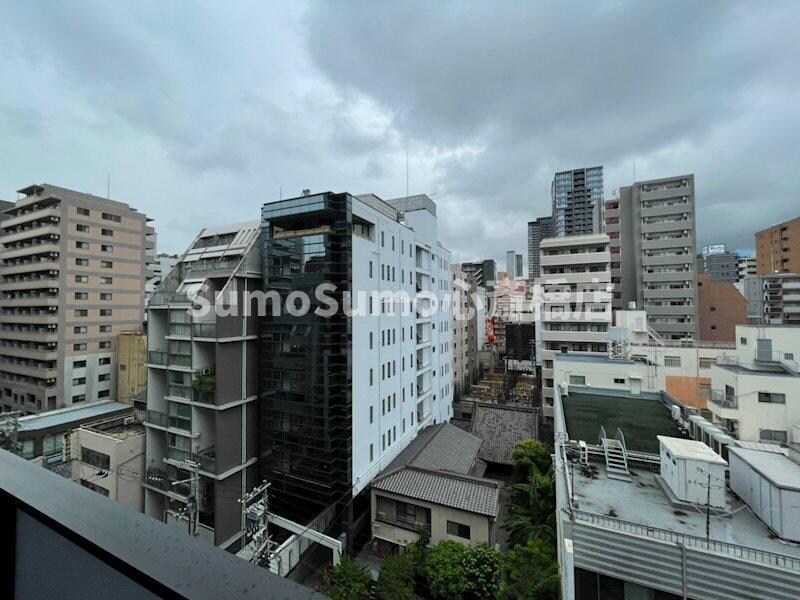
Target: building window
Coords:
[(81, 279), (81, 296), (104, 394), (110, 217), (79, 347), (705, 363), (106, 248), (458, 530), (80, 329), (107, 280), (106, 344), (106, 360), (82, 262), (106, 264), (94, 488), (773, 435), (78, 398), (81, 312), (105, 296), (771, 398), (82, 245), (672, 361), (371, 453), (371, 411), (107, 232), (82, 228), (712, 309), (743, 341), (83, 211), (78, 380), (105, 312), (95, 458), (713, 328), (79, 364), (370, 269), (105, 328), (619, 380), (577, 380)]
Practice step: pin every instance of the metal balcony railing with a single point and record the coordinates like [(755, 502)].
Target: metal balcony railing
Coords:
[(665, 535), (719, 398)]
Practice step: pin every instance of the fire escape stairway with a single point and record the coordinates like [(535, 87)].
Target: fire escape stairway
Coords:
[(616, 456)]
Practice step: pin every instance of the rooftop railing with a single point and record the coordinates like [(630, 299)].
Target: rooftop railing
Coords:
[(722, 400), (665, 535)]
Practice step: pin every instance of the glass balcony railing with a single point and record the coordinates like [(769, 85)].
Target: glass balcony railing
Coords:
[(205, 330), (203, 396), (181, 329), (180, 360), (178, 454), (157, 357), (180, 391), (157, 418)]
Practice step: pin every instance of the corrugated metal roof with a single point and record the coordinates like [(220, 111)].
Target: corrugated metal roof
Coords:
[(779, 469), (63, 416), (481, 496)]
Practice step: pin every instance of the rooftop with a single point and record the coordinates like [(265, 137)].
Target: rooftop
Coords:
[(117, 429), (71, 414), (690, 449), (641, 419), (774, 466), (643, 502), (437, 467), (500, 428)]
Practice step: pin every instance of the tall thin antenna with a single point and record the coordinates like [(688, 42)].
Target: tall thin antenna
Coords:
[(108, 186), (406, 170), (634, 171), (281, 192)]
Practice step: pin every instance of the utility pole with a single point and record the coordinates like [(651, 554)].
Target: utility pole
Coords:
[(708, 507), (257, 500), (192, 508)]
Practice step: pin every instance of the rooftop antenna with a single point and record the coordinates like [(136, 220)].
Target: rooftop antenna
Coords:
[(108, 186), (634, 171), (281, 192), (406, 170)]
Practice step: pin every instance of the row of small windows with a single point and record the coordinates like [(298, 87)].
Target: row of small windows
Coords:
[(85, 296), (390, 436), (81, 364), (87, 229), (82, 380), (85, 212), (85, 279), (81, 346), (85, 246), (85, 329), (84, 262)]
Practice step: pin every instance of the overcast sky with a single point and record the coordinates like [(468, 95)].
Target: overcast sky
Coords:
[(202, 114)]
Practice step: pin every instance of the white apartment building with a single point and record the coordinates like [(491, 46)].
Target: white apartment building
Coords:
[(755, 391), (464, 330), (576, 299), (202, 386), (342, 396), (109, 458)]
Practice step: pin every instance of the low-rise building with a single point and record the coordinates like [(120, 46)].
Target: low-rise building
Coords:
[(650, 533), (46, 436), (755, 391), (108, 457), (435, 485)]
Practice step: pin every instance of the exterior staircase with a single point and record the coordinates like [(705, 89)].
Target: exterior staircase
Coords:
[(616, 455)]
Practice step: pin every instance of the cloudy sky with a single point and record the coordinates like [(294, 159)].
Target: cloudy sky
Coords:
[(200, 113)]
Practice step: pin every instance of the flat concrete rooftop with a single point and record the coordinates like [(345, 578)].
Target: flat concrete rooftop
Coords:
[(642, 501)]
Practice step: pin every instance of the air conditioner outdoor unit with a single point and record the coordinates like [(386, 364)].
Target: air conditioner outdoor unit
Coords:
[(207, 371)]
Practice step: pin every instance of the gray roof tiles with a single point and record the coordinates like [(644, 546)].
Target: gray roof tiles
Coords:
[(500, 428)]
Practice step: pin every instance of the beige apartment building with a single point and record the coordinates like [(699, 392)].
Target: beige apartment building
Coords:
[(73, 273)]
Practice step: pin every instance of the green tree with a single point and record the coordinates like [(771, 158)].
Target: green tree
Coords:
[(459, 572), (396, 581), (482, 572), (531, 513), (444, 570), (530, 572), (347, 581), (530, 456)]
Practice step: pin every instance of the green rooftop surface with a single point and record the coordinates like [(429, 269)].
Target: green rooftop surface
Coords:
[(640, 419)]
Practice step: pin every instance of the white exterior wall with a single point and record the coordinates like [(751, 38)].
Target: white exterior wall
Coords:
[(749, 418), (127, 460), (602, 375), (399, 356)]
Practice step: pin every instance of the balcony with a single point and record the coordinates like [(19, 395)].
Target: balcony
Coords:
[(205, 330), (177, 390), (155, 417), (157, 357), (720, 399), (180, 329), (207, 459), (180, 360), (204, 389)]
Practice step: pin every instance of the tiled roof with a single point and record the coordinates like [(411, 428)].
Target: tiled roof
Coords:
[(436, 467), (500, 428), (471, 494)]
